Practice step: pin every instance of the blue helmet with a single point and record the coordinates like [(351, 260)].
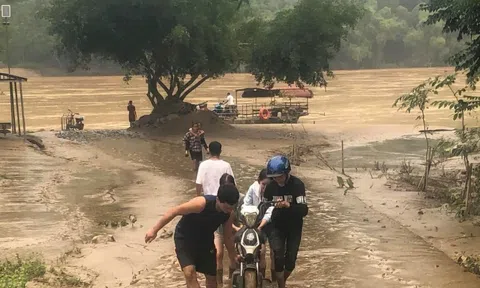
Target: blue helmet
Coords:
[(277, 166)]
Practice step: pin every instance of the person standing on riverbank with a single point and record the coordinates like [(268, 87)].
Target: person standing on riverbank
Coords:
[(132, 113), (194, 239), (193, 141)]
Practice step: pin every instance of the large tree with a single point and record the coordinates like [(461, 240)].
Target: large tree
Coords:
[(179, 44), (298, 44), (176, 44), (462, 17)]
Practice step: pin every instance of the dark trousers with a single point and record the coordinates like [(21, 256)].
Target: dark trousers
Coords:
[(285, 244)]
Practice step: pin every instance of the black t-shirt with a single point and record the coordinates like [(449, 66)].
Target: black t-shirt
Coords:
[(294, 193), (198, 228)]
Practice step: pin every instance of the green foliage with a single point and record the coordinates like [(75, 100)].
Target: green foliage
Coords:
[(466, 143), (18, 272), (165, 41), (459, 17), (179, 44), (417, 98), (299, 43), (462, 103), (393, 34)]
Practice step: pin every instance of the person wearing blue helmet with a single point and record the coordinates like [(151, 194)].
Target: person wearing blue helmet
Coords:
[(285, 233)]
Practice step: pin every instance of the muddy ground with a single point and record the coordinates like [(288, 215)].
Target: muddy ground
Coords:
[(371, 237), (56, 200)]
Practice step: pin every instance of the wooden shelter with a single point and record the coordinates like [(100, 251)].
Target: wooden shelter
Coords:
[(16, 108)]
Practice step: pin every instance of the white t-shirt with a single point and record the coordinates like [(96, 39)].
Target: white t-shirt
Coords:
[(230, 100), (209, 173)]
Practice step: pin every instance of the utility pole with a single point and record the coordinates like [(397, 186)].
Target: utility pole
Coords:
[(6, 14)]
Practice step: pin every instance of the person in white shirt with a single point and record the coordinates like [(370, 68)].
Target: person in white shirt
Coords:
[(229, 104), (208, 181), (230, 100), (210, 171), (255, 197)]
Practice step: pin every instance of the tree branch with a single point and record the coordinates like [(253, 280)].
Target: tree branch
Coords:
[(165, 88), (194, 86), (179, 88), (172, 82), (193, 78)]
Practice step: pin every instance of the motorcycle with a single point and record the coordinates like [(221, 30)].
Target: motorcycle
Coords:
[(72, 121), (248, 243), (225, 111)]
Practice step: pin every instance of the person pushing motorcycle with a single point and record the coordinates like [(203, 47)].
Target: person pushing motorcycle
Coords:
[(193, 237), (285, 233)]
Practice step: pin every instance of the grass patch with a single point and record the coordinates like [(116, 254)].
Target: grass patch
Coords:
[(17, 272)]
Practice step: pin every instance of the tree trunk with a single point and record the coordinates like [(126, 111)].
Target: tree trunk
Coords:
[(427, 153), (153, 95)]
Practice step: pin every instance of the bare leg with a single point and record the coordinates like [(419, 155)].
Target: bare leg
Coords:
[(191, 276), (280, 279), (210, 281), (287, 274), (219, 247)]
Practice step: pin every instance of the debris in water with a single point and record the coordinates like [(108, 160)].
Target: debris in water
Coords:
[(103, 239), (132, 218), (166, 234)]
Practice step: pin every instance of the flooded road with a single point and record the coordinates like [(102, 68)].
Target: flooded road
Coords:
[(345, 243), (25, 201)]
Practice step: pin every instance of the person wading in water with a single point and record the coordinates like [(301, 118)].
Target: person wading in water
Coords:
[(193, 237), (193, 141)]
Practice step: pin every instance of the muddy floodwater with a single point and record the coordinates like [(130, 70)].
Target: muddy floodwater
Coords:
[(71, 192), (361, 97)]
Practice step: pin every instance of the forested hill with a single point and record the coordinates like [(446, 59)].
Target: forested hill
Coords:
[(390, 34)]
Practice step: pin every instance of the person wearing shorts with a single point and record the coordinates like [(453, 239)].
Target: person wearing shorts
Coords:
[(208, 180), (193, 237)]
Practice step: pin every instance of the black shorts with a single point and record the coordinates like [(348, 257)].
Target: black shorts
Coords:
[(203, 257), (196, 155)]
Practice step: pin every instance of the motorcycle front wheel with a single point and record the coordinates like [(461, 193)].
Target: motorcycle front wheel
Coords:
[(250, 279)]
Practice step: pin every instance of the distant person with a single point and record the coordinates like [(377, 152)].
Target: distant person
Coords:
[(132, 113), (194, 237), (208, 180), (229, 100), (229, 103), (193, 141)]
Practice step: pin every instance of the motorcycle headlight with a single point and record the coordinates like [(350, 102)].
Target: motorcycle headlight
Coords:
[(250, 238), (250, 219)]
